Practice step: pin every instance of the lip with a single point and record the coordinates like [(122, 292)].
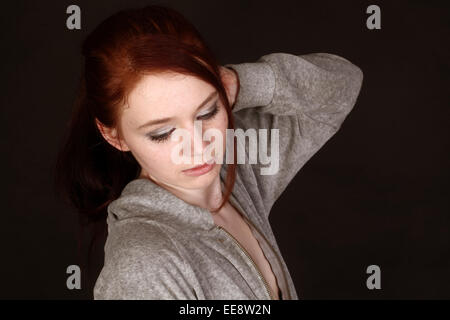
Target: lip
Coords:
[(200, 170)]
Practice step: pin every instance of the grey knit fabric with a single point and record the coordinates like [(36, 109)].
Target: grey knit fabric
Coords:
[(160, 247)]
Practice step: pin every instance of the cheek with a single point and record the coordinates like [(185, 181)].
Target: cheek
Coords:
[(221, 124), (221, 121), (155, 156)]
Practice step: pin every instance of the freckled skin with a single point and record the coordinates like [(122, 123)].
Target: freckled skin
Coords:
[(178, 96)]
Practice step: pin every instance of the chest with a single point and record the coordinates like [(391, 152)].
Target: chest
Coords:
[(232, 221)]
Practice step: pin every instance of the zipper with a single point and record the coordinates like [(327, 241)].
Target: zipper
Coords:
[(250, 258), (236, 206), (271, 247), (276, 255)]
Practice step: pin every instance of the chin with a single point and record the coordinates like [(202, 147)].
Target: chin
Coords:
[(202, 181)]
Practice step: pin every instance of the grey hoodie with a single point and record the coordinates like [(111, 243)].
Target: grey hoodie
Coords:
[(160, 247)]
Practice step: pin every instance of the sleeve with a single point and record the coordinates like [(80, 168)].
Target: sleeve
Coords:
[(138, 272), (305, 98)]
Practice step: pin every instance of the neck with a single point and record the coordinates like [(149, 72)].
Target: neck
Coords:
[(208, 198)]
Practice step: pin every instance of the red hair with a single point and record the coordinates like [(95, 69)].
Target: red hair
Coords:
[(90, 173)]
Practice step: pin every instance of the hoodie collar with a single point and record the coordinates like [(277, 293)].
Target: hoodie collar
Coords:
[(145, 199)]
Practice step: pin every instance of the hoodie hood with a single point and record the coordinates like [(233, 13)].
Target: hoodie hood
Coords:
[(142, 198)]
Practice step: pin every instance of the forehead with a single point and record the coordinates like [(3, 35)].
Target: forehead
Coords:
[(164, 95)]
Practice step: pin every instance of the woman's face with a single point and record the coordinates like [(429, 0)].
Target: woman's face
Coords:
[(159, 105)]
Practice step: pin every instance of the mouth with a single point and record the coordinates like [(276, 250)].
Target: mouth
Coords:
[(200, 169)]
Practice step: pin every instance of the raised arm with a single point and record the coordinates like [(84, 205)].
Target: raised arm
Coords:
[(306, 97)]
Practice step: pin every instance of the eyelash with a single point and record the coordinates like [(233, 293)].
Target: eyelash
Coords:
[(165, 136)]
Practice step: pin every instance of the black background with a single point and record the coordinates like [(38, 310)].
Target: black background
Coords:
[(378, 192)]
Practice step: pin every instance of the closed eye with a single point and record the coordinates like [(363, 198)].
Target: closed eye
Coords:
[(165, 136), (209, 115), (162, 137)]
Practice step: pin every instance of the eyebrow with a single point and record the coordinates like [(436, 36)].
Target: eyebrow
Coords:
[(163, 120)]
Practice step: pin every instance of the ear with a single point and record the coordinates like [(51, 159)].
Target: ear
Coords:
[(230, 79), (110, 135)]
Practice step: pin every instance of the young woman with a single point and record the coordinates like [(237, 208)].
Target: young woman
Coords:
[(191, 230)]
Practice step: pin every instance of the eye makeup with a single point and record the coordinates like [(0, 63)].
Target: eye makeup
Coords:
[(210, 114), (165, 136)]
